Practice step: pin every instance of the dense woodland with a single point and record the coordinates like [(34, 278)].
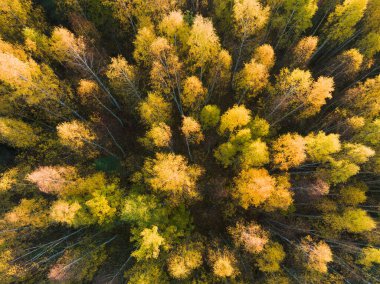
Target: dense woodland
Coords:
[(174, 141)]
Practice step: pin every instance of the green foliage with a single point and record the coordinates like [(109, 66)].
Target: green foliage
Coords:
[(210, 116), (341, 22), (320, 146), (149, 244), (270, 259)]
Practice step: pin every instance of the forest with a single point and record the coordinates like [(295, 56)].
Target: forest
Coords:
[(190, 141)]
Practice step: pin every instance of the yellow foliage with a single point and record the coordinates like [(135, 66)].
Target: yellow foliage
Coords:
[(16, 133), (184, 260), (149, 244), (144, 38), (155, 109), (159, 135), (264, 54), (353, 195), (320, 146), (237, 116), (252, 79), (253, 187), (254, 154), (321, 90), (64, 212), (289, 151), (203, 42), (86, 89), (192, 130), (171, 174), (75, 134), (193, 94), (66, 46), (8, 179), (29, 212), (249, 16), (316, 255), (303, 51), (369, 257), (280, 199), (223, 264)]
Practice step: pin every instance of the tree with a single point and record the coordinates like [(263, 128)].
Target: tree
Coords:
[(225, 153), (341, 22), (271, 257), (254, 154), (203, 44), (297, 91), (223, 263), (295, 18), (30, 212), (220, 74), (338, 171), (31, 82), (347, 64), (149, 244), (235, 117), (353, 195), (316, 255), (363, 99), (145, 272), (166, 71), (65, 212), (264, 54), (304, 50), (249, 18), (154, 109), (64, 270), (144, 39), (158, 136), (17, 133), (171, 174), (15, 14), (123, 79), (321, 90), (259, 127), (174, 27), (75, 134), (36, 42), (8, 179), (52, 179), (184, 260), (193, 94), (253, 187), (251, 79), (210, 116), (353, 220), (289, 151), (87, 91), (319, 147), (369, 256), (357, 153), (370, 45), (251, 237), (192, 130), (67, 48), (357, 220), (281, 198)]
